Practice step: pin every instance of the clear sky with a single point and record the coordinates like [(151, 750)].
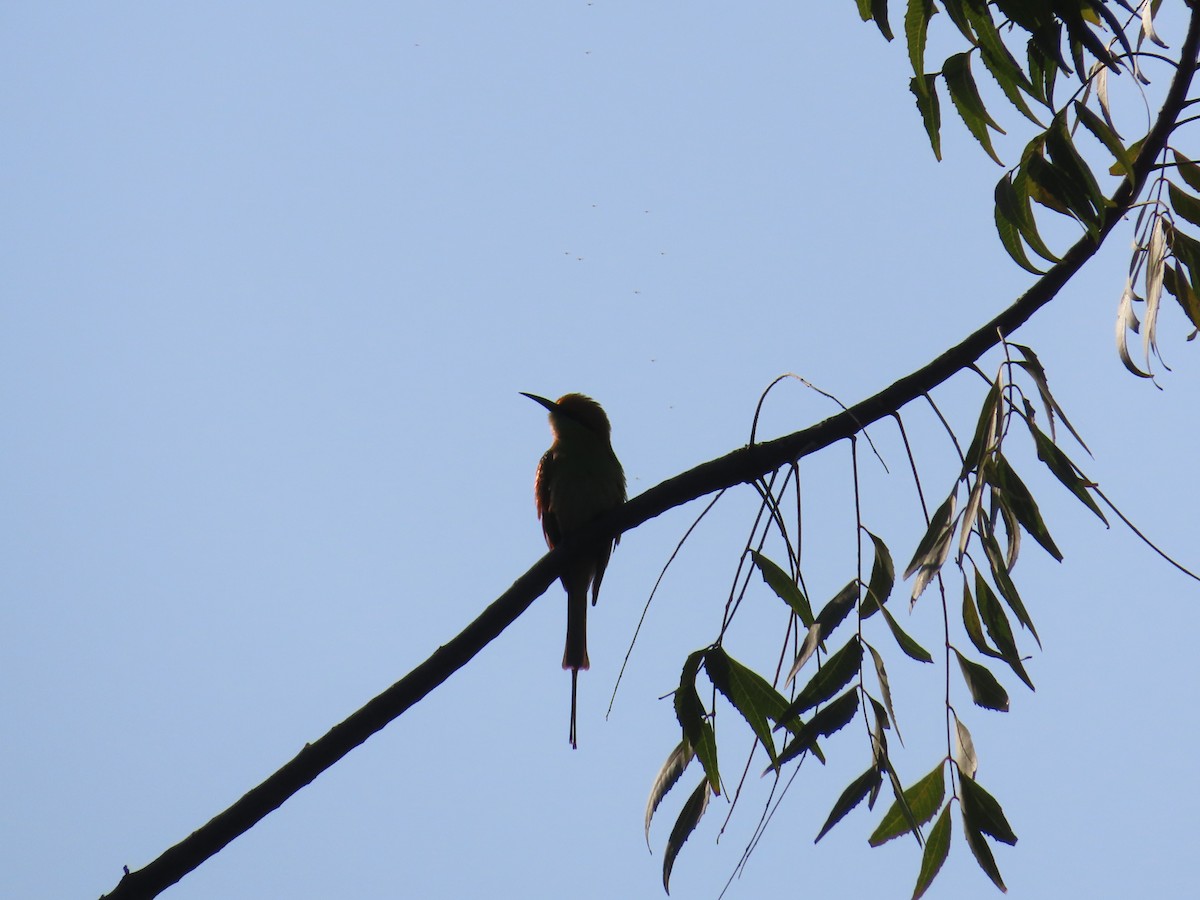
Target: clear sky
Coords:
[(273, 275)]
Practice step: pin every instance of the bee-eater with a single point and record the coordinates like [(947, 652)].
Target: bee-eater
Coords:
[(578, 479)]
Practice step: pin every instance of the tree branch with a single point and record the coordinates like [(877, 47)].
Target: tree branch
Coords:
[(740, 466)]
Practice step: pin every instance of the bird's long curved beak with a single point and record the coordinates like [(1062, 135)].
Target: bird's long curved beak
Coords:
[(549, 404)]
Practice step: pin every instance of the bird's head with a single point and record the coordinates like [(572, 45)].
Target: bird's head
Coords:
[(575, 410)]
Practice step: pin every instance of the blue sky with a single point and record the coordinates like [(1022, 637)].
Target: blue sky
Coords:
[(274, 275)]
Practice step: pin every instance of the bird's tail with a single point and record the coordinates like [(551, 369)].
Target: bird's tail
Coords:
[(575, 655)]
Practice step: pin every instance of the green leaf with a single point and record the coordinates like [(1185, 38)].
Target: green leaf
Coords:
[(1064, 470), (1004, 582), (1037, 372), (973, 625), (1188, 170), (985, 689), (983, 812), (934, 547), (987, 428), (998, 628), (965, 95), (1017, 499), (827, 620), (916, 30), (784, 587), (1184, 204), (982, 853), (746, 690), (1109, 138), (1027, 223), (831, 719), (877, 10), (924, 89), (828, 680), (667, 776), (937, 848), (1068, 161), (850, 798), (910, 647), (885, 687), (689, 818), (883, 579), (1007, 228), (692, 718), (924, 799)]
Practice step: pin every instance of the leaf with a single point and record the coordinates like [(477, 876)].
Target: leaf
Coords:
[(987, 429), (924, 89), (937, 848), (886, 688), (1033, 366), (1184, 204), (784, 587), (1188, 170), (964, 753), (1108, 137), (998, 628), (1064, 470), (1004, 582), (973, 625), (934, 547), (1126, 322), (828, 680), (1155, 265), (667, 776), (693, 720), (924, 799), (747, 691), (983, 812), (689, 818), (965, 96), (1006, 226), (883, 579), (983, 854), (985, 690), (910, 647), (1017, 499), (877, 10), (850, 798), (827, 620), (916, 30), (831, 719)]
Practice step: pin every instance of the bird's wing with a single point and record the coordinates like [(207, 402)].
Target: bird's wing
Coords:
[(545, 477)]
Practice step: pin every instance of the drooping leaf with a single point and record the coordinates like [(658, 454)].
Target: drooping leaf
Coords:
[(996, 622), (916, 31), (964, 94), (934, 548), (885, 688), (883, 579), (784, 587), (1188, 170), (985, 690), (747, 691), (987, 429), (982, 853), (1004, 583), (667, 776), (964, 752), (1108, 137), (689, 818), (910, 647), (830, 616), (983, 812), (876, 10), (827, 680), (1184, 204), (832, 718), (694, 721), (1031, 364), (924, 799), (850, 798), (973, 625), (937, 848), (924, 89)]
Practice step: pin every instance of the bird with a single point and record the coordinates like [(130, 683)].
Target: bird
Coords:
[(578, 479)]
